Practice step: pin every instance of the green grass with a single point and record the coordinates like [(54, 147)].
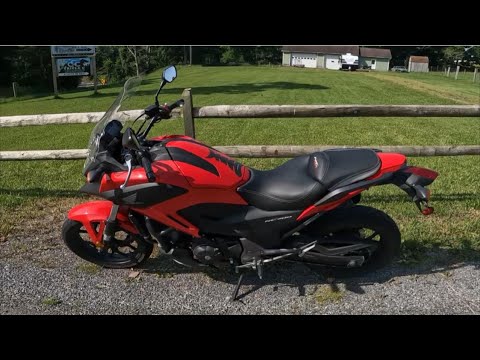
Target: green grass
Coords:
[(51, 301), (243, 85), (463, 84), (462, 90), (456, 198), (88, 268), (328, 293)]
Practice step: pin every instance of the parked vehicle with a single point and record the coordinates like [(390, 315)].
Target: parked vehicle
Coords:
[(206, 209), (349, 62), (399, 69)]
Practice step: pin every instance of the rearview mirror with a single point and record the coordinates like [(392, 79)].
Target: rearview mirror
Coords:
[(129, 140), (169, 74)]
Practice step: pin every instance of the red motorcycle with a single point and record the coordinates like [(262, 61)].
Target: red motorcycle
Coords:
[(206, 209)]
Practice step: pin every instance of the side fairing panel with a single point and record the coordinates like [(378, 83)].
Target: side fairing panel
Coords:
[(204, 167)]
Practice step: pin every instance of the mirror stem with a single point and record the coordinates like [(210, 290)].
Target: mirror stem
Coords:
[(158, 92)]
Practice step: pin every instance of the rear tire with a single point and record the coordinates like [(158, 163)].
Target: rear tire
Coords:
[(361, 217), (132, 250)]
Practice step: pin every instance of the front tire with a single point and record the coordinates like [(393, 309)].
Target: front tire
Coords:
[(130, 250), (356, 220)]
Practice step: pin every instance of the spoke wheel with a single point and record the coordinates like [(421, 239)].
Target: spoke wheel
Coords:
[(358, 225), (127, 250)]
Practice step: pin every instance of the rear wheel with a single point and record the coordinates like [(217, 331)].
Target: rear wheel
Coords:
[(354, 225), (127, 250)]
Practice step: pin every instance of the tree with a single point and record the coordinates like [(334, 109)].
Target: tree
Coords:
[(133, 51), (28, 65), (452, 54)]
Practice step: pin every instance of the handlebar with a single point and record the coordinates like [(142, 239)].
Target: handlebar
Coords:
[(175, 104), (147, 166), (144, 155)]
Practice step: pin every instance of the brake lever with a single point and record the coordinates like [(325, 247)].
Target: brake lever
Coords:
[(128, 161)]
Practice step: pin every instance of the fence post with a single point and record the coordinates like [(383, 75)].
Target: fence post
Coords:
[(456, 72), (14, 86), (448, 72), (188, 120), (475, 74)]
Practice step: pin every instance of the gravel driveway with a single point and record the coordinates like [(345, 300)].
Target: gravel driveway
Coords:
[(40, 276)]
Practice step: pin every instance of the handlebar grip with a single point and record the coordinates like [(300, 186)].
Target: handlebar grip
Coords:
[(176, 104), (147, 165)]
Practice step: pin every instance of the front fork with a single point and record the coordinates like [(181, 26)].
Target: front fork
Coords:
[(110, 225)]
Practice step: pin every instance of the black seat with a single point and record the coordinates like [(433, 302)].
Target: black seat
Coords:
[(339, 167), (303, 180), (287, 187)]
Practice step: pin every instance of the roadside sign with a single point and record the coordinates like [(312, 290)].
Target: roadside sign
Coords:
[(73, 66), (73, 60), (77, 50)]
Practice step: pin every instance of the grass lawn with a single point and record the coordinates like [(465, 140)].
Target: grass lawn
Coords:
[(462, 90), (455, 225), (247, 85)]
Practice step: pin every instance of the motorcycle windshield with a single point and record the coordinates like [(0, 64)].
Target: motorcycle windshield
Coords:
[(115, 112)]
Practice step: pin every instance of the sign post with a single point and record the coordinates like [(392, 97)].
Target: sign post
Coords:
[(78, 60), (14, 86), (94, 71), (54, 74)]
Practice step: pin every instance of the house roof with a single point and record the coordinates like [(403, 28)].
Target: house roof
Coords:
[(376, 53), (321, 49), (419, 59)]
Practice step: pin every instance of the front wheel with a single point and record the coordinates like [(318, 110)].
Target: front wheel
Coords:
[(127, 250), (355, 225)]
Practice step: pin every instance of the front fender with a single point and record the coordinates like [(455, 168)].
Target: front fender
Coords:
[(98, 210), (93, 215)]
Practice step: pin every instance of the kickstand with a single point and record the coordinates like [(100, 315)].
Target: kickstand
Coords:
[(237, 288)]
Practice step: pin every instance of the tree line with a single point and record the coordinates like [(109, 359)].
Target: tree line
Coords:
[(31, 66)]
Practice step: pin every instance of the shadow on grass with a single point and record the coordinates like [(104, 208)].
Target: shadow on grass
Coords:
[(242, 88), (298, 275), (39, 192), (436, 197)]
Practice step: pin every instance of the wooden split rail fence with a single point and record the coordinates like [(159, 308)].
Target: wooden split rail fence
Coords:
[(191, 113)]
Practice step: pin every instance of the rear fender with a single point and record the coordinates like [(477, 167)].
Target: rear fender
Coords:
[(93, 215), (413, 180)]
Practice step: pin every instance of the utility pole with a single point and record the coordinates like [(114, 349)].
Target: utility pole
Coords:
[(190, 55)]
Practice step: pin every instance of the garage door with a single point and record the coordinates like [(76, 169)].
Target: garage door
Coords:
[(307, 60), (332, 62)]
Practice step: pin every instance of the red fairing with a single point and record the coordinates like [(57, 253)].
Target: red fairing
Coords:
[(390, 162), (223, 172), (312, 210), (94, 212), (192, 170), (167, 137)]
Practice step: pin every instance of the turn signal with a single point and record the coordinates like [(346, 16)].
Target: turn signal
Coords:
[(428, 210)]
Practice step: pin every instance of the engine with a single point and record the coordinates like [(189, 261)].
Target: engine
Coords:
[(206, 251)]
